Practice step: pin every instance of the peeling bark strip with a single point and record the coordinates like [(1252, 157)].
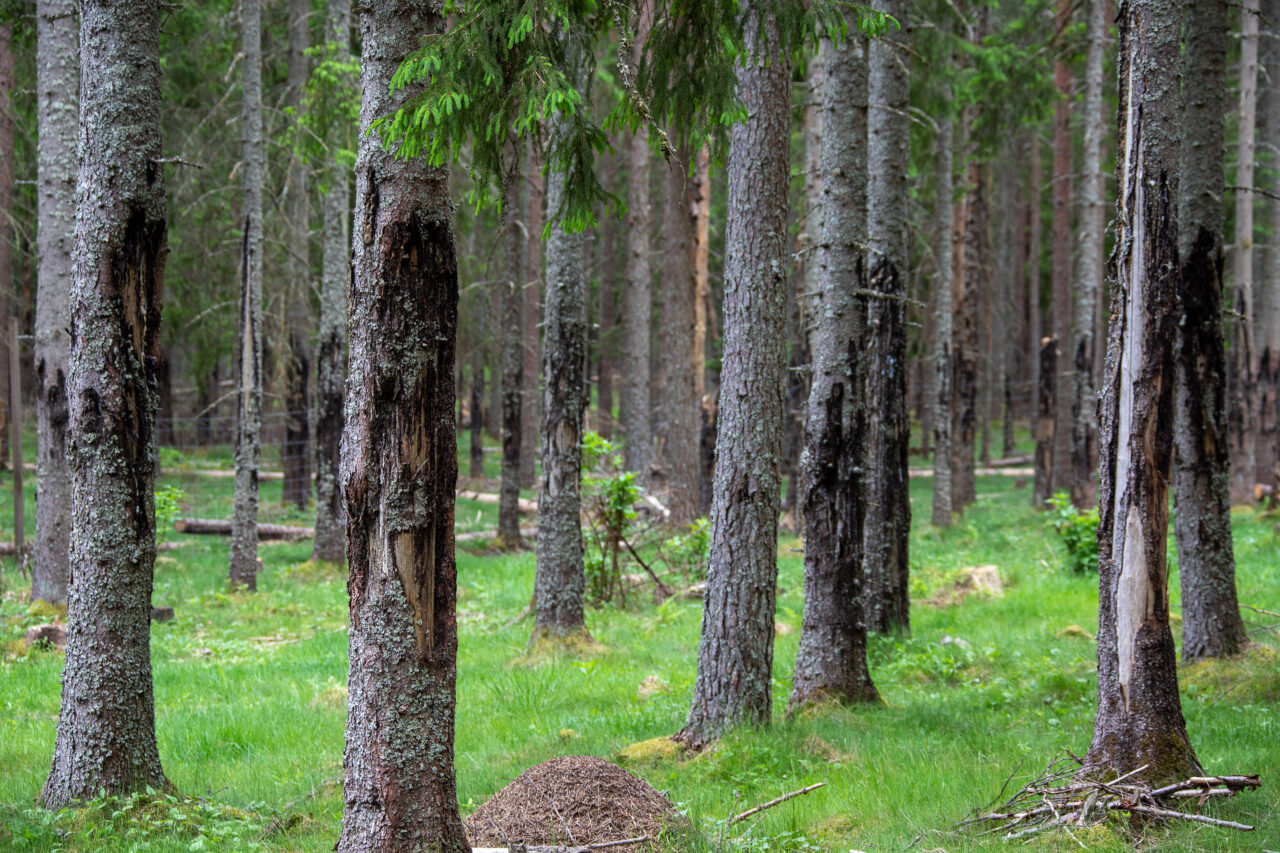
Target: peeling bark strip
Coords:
[(399, 472), (57, 90), (832, 658), (1211, 622), (560, 580), (244, 533), (1139, 718), (888, 518), (735, 656), (106, 727)]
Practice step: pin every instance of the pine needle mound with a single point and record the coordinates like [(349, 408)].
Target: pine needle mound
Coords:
[(578, 795)]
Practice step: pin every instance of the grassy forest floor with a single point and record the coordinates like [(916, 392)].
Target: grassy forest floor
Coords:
[(250, 697)]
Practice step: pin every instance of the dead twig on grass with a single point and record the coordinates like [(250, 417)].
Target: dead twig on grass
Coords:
[(776, 801)]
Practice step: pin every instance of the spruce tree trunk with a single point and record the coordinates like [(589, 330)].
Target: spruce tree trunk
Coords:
[(735, 655), (1060, 270), (296, 454), (244, 520), (330, 541), (1267, 296), (1243, 413), (888, 512), (832, 658), (607, 339), (1211, 623), (399, 472), (1046, 405), (532, 289), (943, 295), (680, 417), (560, 580), (512, 338), (1093, 223), (8, 293), (971, 267), (57, 90), (1139, 719), (106, 737), (476, 432), (1035, 324), (637, 295)]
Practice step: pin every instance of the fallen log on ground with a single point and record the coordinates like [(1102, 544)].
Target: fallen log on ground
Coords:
[(222, 527), (526, 532)]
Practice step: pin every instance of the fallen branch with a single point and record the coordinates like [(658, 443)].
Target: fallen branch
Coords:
[(666, 591), (222, 527), (525, 505), (1260, 610), (1062, 798), (749, 812)]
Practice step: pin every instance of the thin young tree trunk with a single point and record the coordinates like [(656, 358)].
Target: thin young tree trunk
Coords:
[(399, 472), (1211, 623), (888, 512), (735, 655), (1089, 263), (637, 295), (1046, 405), (1035, 324), (532, 288), (679, 400), (943, 295), (330, 542), (1243, 412), (296, 454), (106, 738), (560, 580), (832, 658), (1063, 174), (244, 533), (512, 361), (1139, 719), (703, 317), (57, 88)]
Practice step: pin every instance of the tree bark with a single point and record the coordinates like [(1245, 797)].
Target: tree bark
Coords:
[(331, 364), (7, 292), (296, 453), (512, 359), (943, 296), (57, 89), (832, 658), (399, 472), (970, 265), (888, 514), (560, 580), (1060, 269), (637, 294), (106, 726), (1243, 412), (1046, 405), (1139, 720), (607, 338), (244, 536), (1267, 297), (1034, 320), (735, 655), (1089, 265), (1211, 623), (679, 402), (532, 288)]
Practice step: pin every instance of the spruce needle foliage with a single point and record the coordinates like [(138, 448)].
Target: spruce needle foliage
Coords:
[(502, 71)]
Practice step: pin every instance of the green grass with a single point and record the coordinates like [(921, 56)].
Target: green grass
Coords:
[(250, 699)]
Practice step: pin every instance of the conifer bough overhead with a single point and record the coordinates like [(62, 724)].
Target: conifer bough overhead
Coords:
[(502, 70)]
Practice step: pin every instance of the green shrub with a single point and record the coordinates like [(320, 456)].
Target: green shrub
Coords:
[(1079, 531)]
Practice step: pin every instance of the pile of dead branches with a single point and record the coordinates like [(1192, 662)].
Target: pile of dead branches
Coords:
[(1064, 799)]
